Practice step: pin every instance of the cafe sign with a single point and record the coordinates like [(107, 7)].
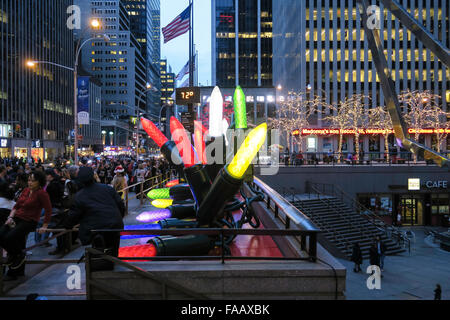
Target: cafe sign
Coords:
[(436, 184)]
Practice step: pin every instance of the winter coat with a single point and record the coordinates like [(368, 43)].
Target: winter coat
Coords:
[(357, 255), (97, 206)]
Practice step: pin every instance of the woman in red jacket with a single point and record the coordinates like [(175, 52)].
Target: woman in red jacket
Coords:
[(23, 219)]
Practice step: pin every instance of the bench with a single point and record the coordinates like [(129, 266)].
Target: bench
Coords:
[(444, 239)]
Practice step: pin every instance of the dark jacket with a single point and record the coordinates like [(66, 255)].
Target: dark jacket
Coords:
[(374, 257), (357, 255), (97, 206), (55, 190)]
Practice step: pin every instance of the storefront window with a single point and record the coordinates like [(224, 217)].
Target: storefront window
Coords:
[(440, 203), (380, 204), (374, 143)]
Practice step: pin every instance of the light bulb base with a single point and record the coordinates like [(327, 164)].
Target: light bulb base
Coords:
[(183, 211), (223, 189), (173, 223), (199, 182), (180, 192), (191, 245), (170, 152)]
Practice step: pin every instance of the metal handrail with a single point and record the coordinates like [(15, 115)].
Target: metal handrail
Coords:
[(382, 226), (346, 217), (337, 235), (294, 215), (291, 214)]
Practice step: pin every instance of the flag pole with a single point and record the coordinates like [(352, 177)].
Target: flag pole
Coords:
[(191, 44)]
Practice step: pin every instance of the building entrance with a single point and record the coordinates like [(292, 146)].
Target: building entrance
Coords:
[(411, 211)]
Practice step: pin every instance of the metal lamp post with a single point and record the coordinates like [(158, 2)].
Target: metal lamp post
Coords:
[(148, 88)]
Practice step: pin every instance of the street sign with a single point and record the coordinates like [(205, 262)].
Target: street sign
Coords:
[(187, 95), (187, 120)]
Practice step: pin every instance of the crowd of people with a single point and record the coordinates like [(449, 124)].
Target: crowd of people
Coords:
[(35, 197)]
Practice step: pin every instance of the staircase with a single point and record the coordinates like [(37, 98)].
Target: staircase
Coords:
[(343, 226)]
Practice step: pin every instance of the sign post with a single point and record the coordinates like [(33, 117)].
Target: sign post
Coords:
[(188, 96)]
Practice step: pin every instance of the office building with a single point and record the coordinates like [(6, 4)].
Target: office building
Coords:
[(320, 47), (145, 25), (36, 104), (245, 59), (167, 83), (117, 63)]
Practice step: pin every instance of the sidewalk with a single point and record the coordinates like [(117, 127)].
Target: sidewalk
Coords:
[(51, 280), (406, 276)]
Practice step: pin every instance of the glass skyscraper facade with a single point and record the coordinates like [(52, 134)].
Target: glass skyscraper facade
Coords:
[(39, 99), (245, 59), (320, 47), (321, 43), (145, 24)]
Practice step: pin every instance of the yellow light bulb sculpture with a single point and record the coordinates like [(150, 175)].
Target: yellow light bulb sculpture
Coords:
[(230, 178)]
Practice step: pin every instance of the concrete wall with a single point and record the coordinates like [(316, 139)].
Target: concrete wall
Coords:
[(355, 179)]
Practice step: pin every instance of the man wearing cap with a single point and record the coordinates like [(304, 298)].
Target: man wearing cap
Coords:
[(96, 206)]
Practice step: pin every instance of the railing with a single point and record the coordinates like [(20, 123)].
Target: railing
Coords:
[(361, 228), (214, 232), (335, 191), (369, 158), (155, 182), (337, 235), (287, 213)]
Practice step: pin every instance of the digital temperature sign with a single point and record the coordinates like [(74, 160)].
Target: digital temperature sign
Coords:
[(188, 95)]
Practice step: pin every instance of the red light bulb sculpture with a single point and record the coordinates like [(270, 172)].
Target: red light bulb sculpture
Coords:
[(199, 181), (167, 147)]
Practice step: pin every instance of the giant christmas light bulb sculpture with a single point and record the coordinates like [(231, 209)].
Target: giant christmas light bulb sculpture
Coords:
[(182, 142), (199, 142), (240, 109), (163, 193), (216, 113), (230, 178), (168, 148), (216, 135)]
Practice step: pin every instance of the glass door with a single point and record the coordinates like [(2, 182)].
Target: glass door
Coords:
[(409, 211)]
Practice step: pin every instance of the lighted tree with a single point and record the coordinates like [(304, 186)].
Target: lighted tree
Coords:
[(294, 113), (436, 119), (379, 118), (337, 120), (351, 114), (418, 111)]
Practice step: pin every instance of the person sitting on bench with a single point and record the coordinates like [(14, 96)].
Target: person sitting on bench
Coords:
[(24, 218)]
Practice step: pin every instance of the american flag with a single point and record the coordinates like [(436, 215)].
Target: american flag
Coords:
[(180, 25), (185, 70)]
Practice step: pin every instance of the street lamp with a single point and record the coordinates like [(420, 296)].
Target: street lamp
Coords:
[(95, 24), (104, 136), (148, 87), (111, 138)]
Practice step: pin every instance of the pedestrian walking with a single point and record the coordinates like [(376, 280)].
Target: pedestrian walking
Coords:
[(119, 182), (381, 249), (357, 257), (437, 292), (374, 257)]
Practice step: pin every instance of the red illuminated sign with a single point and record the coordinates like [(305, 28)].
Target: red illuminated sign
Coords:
[(226, 18), (331, 131)]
